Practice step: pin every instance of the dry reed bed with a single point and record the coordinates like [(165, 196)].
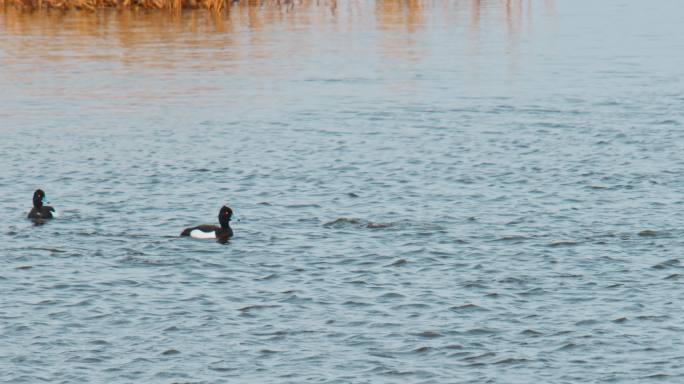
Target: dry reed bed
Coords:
[(91, 5)]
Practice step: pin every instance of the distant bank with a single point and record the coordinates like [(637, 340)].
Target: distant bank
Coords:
[(92, 5)]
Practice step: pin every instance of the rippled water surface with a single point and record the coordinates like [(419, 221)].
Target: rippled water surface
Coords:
[(428, 192)]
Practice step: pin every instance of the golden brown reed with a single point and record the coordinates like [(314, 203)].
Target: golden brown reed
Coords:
[(91, 5)]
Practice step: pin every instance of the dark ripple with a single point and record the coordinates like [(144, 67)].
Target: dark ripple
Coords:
[(672, 263), (467, 308)]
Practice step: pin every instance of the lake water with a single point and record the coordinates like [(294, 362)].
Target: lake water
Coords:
[(428, 192)]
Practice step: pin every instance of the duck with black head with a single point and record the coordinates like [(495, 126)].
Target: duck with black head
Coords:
[(208, 231), (40, 210)]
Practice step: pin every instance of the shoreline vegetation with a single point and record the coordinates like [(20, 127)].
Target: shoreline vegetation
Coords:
[(93, 5)]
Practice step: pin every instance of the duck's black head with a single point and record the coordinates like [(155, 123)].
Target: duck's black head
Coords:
[(224, 216), (38, 198)]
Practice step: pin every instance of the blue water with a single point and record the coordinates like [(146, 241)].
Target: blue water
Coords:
[(429, 192)]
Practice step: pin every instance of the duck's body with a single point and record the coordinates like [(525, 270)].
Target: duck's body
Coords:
[(44, 212), (208, 231), (39, 210)]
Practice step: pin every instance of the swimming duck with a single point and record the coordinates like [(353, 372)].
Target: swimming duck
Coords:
[(208, 231), (39, 210)]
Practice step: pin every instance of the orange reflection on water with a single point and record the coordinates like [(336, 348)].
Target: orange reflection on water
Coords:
[(259, 30)]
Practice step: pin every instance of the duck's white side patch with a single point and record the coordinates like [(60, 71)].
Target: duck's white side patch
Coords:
[(197, 234), (55, 214)]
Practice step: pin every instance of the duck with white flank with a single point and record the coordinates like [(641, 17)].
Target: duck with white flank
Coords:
[(207, 231), (40, 210)]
